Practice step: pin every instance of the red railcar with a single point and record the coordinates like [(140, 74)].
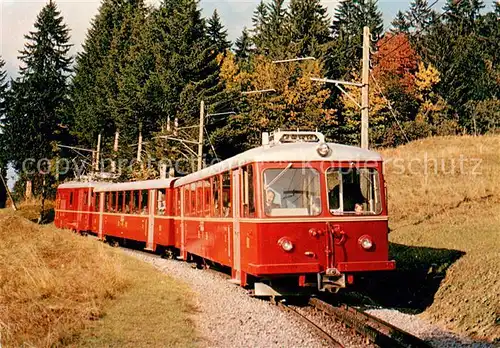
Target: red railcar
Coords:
[(295, 212)]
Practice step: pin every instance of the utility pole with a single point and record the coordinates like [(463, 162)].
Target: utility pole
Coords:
[(365, 90), (364, 85), (115, 150), (200, 138), (139, 144), (98, 153)]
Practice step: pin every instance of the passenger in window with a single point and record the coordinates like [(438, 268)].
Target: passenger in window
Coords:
[(316, 206), (358, 209), (269, 204)]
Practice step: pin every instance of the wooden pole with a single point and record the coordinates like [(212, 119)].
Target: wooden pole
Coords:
[(115, 150), (200, 138), (365, 89), (98, 153), (8, 192), (139, 145)]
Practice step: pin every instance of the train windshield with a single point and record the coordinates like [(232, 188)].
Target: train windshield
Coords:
[(353, 191), (292, 192)]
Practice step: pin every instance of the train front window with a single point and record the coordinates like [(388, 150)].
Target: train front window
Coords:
[(353, 191), (292, 192)]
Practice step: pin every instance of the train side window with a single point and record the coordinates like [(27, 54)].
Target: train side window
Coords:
[(161, 201), (248, 200), (216, 196), (136, 204), (192, 193), (97, 201), (187, 200), (226, 195), (144, 202), (112, 201), (126, 201), (119, 201), (207, 197), (106, 201)]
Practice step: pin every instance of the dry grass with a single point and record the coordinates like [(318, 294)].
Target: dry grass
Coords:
[(30, 209), (57, 289), (445, 211)]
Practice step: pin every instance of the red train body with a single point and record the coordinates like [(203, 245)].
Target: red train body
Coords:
[(285, 214)]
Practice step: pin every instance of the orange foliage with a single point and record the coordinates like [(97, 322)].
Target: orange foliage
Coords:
[(396, 58)]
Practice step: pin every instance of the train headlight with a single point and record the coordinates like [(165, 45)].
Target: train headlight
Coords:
[(323, 150), (286, 244), (365, 242)]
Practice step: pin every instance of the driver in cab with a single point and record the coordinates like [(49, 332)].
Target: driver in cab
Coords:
[(269, 204)]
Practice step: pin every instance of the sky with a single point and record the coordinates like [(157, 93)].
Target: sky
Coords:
[(17, 18)]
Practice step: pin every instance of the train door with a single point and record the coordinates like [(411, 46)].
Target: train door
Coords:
[(80, 206), (101, 214), (235, 186), (182, 212), (151, 220)]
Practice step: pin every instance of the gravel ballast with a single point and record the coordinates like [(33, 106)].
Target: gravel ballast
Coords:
[(228, 317), (436, 336)]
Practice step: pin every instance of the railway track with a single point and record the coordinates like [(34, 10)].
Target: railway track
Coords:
[(373, 329)]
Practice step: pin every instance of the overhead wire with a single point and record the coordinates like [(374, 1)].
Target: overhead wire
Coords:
[(211, 145), (390, 107)]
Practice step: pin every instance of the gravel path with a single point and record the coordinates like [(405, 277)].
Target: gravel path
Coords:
[(229, 317), (436, 336)]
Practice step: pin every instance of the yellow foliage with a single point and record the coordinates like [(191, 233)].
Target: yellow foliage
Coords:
[(425, 79), (297, 103)]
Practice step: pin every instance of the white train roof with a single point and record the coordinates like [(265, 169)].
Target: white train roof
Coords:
[(136, 185), (80, 184), (292, 152)]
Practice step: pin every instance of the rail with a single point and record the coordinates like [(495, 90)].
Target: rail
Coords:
[(321, 331), (376, 330)]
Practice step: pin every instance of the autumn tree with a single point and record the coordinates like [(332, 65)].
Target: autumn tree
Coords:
[(296, 103)]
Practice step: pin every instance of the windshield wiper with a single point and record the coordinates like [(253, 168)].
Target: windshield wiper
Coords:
[(279, 175)]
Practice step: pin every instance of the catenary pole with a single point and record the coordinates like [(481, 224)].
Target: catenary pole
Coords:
[(365, 89), (200, 138)]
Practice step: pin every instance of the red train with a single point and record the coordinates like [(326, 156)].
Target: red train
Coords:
[(294, 213)]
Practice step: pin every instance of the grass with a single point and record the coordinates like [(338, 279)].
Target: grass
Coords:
[(445, 226), (60, 289)]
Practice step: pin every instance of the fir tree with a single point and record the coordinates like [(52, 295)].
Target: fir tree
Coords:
[(347, 30), (3, 153), (35, 122), (308, 24), (271, 34), (260, 20), (243, 45), (217, 34), (91, 106), (400, 24)]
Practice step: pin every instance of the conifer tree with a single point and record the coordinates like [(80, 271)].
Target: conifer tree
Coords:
[(260, 20), (3, 154), (347, 30), (34, 122), (308, 24), (91, 106), (217, 34), (243, 45), (271, 33)]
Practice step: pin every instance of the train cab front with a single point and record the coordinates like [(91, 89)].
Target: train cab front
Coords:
[(321, 224)]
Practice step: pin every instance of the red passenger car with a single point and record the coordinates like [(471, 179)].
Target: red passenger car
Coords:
[(295, 212)]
